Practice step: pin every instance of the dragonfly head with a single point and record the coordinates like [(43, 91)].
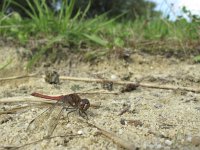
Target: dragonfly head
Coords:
[(84, 105)]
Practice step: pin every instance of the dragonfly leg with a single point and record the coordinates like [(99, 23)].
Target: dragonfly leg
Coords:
[(85, 116), (69, 113)]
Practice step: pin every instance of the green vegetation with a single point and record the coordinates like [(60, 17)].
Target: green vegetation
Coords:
[(147, 31), (197, 59)]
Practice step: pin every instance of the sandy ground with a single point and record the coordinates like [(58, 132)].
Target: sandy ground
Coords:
[(156, 118)]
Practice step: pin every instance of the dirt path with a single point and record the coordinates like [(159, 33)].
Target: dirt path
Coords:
[(156, 119)]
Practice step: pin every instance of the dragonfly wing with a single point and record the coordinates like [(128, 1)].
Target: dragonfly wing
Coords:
[(38, 123), (53, 120)]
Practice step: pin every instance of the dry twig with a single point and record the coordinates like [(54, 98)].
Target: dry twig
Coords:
[(18, 77), (119, 141), (124, 110), (147, 85), (14, 110), (24, 99)]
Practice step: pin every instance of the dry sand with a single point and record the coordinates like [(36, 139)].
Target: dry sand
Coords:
[(156, 119)]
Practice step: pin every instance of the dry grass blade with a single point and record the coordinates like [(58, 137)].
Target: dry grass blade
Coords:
[(25, 99), (18, 77), (14, 110), (147, 85), (189, 89), (119, 141)]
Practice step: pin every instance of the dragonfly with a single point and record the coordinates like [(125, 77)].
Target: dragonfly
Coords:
[(71, 102)]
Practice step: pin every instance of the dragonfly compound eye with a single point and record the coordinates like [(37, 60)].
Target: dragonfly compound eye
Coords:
[(84, 104)]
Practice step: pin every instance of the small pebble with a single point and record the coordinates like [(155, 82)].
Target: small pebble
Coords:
[(135, 122), (189, 139), (113, 77), (168, 142), (68, 125), (80, 132), (158, 106), (123, 121)]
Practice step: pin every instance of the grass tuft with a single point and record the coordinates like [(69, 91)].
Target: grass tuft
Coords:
[(153, 34)]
